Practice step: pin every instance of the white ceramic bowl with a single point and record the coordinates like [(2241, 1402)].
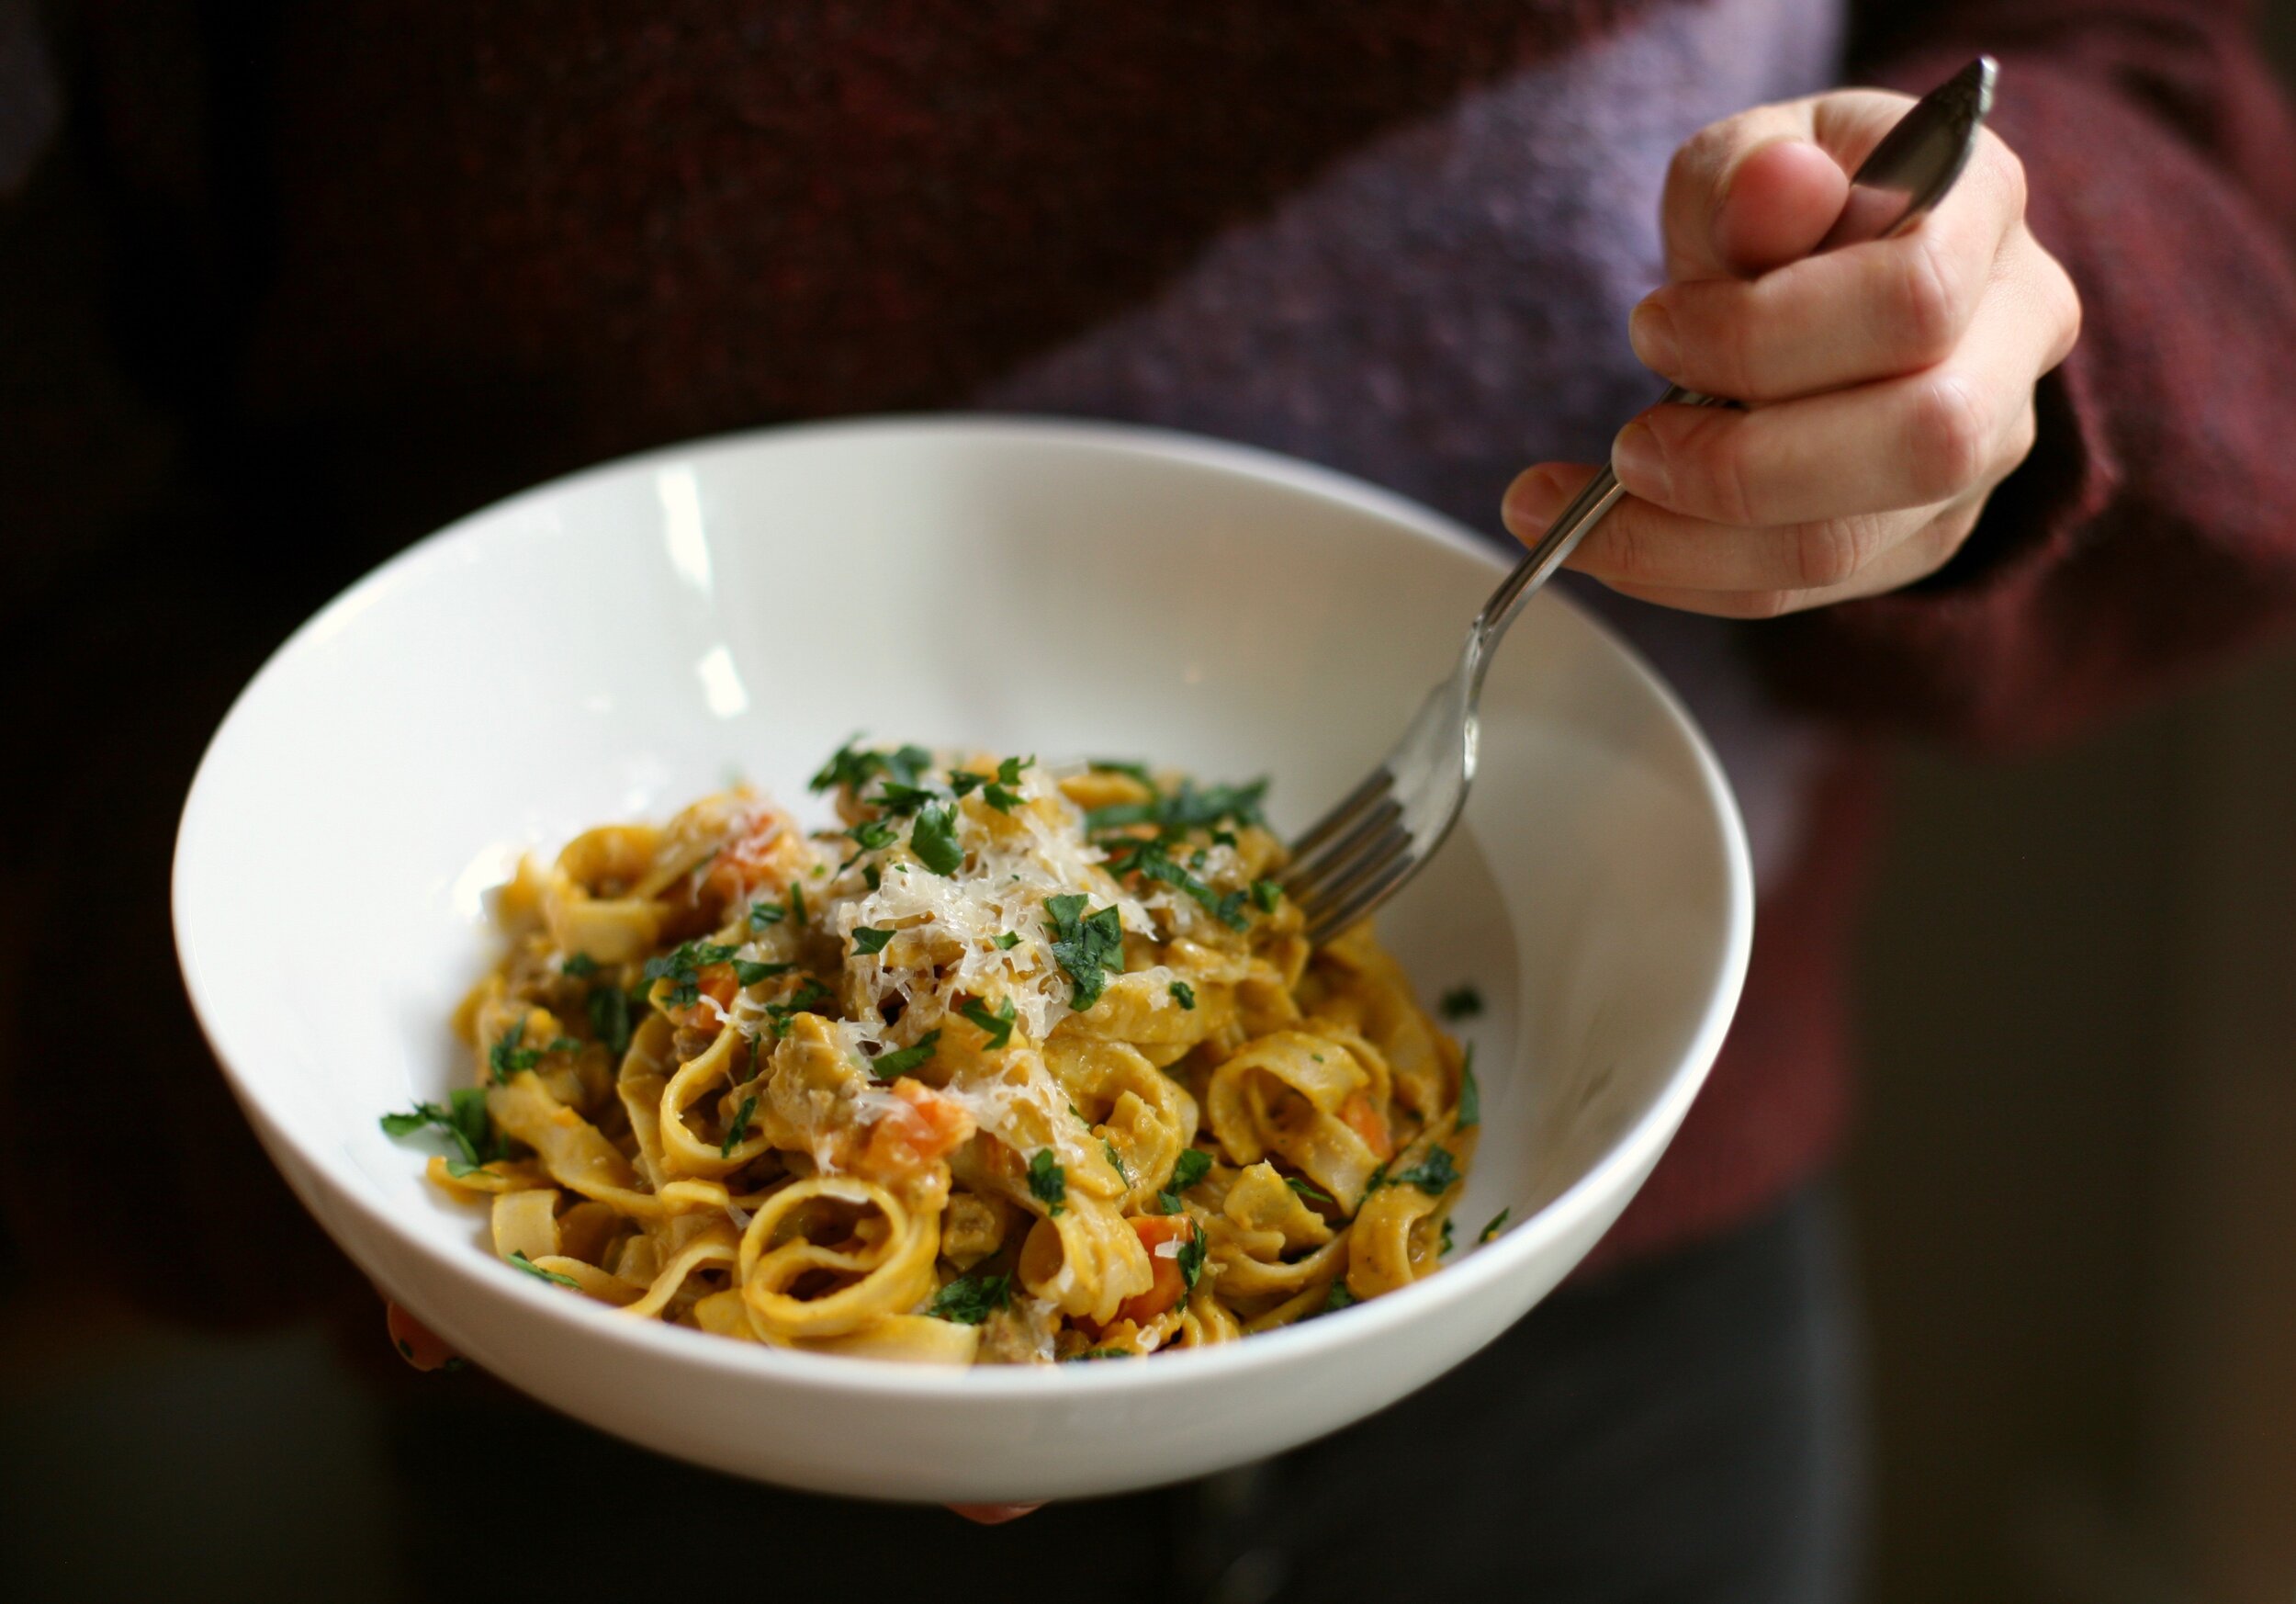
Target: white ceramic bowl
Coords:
[(611, 645)]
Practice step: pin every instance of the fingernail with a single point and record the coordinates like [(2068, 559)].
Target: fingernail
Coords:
[(1651, 330), (1531, 502), (1640, 461)]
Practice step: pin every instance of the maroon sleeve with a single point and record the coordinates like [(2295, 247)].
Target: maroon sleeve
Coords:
[(2153, 530)]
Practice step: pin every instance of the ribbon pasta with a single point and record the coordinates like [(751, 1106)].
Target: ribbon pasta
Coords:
[(1008, 1066)]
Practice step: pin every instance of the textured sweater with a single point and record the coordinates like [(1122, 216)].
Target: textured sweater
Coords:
[(406, 255)]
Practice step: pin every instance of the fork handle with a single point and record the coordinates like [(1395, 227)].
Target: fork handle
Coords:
[(1546, 554)]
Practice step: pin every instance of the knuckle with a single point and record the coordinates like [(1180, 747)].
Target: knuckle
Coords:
[(1833, 552), (1951, 430), (2013, 170), (1930, 303), (1718, 460)]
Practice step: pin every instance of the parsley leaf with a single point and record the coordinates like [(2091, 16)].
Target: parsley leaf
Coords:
[(1192, 1167), (1183, 993), (902, 800), (1148, 859), (934, 838), (1116, 1159), (848, 767), (506, 1057), (764, 914), (1498, 1224), (798, 1001), (463, 1119), (1444, 1248), (579, 966), (1008, 772), (1308, 1189), (749, 974), (1000, 793), (1460, 1002), (964, 781), (1434, 1175), (1266, 893), (872, 835), (1087, 946), (797, 902), (907, 764), (867, 939), (1008, 941), (1339, 1297), (1185, 809), (531, 1268), (610, 1018), (1129, 770), (1190, 1258), (738, 1132), (681, 966), (890, 1064), (970, 1299), (1048, 1182), (1471, 1094), (996, 1027)]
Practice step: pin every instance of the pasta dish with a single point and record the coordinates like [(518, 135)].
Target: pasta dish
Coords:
[(1010, 1065)]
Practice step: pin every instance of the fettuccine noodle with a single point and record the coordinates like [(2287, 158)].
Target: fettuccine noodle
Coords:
[(1010, 1068)]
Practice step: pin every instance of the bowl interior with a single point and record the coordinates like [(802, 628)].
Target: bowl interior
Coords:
[(615, 644)]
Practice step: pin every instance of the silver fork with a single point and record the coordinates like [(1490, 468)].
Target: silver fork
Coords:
[(1366, 847)]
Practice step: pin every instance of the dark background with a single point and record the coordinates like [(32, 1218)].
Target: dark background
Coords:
[(2073, 1194)]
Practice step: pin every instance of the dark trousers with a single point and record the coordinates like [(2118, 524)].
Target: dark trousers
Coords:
[(1682, 1431)]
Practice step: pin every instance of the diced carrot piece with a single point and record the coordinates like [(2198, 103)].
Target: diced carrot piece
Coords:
[(1357, 1115), (716, 982), (922, 1129), (1170, 1286)]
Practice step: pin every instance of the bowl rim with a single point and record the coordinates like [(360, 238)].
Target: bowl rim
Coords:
[(476, 1278)]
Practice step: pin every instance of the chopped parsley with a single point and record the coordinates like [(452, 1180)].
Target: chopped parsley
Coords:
[(1192, 1167), (1498, 1224), (934, 838), (970, 1299), (996, 1027), (964, 781), (890, 1064), (1148, 859), (867, 939), (1444, 1247), (798, 1001), (763, 915), (738, 1132), (610, 1018), (1266, 893), (902, 800), (1471, 1094), (1460, 1002), (1308, 1189), (1434, 1175), (681, 966), (531, 1268), (1183, 993), (1088, 946), (855, 769), (797, 902), (1008, 941), (506, 1057), (1129, 770), (463, 1119), (1116, 1159), (1000, 793), (1185, 809), (872, 835), (579, 966), (1190, 1258), (749, 974), (1338, 1298), (1048, 1182)]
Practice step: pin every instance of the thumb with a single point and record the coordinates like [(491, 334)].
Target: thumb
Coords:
[(1780, 200), (1749, 193)]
